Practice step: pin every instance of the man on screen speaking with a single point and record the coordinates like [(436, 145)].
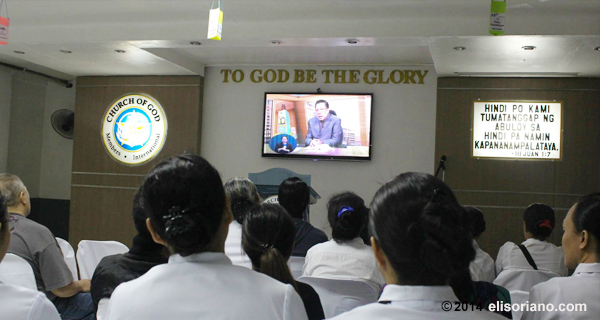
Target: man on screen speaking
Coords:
[(324, 128)]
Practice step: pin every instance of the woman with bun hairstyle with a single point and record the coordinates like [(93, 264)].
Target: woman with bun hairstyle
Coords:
[(420, 240), (243, 195), (482, 268), (345, 256), (581, 245), (538, 223), (268, 239), (189, 214)]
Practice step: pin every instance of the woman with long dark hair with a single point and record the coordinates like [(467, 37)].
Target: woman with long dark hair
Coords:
[(420, 241), (188, 213), (268, 239)]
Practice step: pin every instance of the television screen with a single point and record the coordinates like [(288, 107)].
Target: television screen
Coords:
[(317, 126)]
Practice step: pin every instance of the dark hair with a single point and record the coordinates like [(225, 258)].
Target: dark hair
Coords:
[(185, 202), (294, 196), (268, 239), (139, 214), (3, 213), (347, 216), (587, 216), (242, 195), (539, 220), (322, 101), (476, 221), (422, 229)]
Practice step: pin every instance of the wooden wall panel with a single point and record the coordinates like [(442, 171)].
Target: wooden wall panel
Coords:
[(102, 188), (502, 189)]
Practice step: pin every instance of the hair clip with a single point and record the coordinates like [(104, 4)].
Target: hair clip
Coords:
[(546, 223), (266, 247), (343, 210)]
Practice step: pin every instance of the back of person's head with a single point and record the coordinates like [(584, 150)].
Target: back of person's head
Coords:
[(539, 220), (268, 239), (476, 221), (12, 186), (347, 215), (243, 195), (586, 216), (422, 229), (139, 214), (294, 196), (185, 201)]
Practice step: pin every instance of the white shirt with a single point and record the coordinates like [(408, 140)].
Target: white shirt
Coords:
[(18, 303), (582, 287), (546, 256), (482, 268), (233, 246), (204, 286), (415, 302), (347, 260)]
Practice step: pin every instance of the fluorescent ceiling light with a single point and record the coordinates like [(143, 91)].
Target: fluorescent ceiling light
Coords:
[(516, 74)]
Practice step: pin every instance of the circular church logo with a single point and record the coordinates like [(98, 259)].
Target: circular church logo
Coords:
[(134, 129)]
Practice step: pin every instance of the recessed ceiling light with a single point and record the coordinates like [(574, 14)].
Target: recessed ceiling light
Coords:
[(120, 51), (460, 48), (276, 42), (196, 43), (19, 52), (597, 48), (352, 41), (528, 47), (66, 51)]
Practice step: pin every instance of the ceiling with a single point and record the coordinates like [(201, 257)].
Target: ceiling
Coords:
[(156, 36)]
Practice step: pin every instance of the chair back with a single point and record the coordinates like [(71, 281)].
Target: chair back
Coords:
[(341, 295), (89, 254), (16, 271), (296, 264), (523, 280), (69, 255), (518, 297)]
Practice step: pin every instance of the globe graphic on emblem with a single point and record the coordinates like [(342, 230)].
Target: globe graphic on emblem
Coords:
[(133, 129)]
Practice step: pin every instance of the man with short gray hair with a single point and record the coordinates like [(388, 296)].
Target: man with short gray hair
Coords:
[(37, 245)]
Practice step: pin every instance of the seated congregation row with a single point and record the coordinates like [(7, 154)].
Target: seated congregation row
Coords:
[(421, 251)]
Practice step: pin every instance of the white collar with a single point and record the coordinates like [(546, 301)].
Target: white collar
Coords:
[(475, 244), (532, 241), (394, 292), (202, 257), (586, 269)]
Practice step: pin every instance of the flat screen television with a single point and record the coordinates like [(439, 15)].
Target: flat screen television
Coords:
[(328, 126)]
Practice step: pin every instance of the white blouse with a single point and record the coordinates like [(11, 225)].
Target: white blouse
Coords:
[(415, 302), (233, 246), (582, 287), (204, 286), (482, 268), (546, 256), (18, 303), (347, 260)]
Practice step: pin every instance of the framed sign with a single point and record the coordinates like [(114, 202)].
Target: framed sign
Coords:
[(517, 129)]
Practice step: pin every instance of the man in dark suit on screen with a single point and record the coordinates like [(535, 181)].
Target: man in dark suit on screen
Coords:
[(324, 128)]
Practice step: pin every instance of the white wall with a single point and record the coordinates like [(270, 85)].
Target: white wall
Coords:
[(403, 132), (5, 97), (32, 149)]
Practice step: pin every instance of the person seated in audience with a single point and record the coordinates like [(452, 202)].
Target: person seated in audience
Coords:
[(538, 223), (294, 197), (345, 256), (143, 255), (581, 245), (243, 195), (482, 268), (38, 246), (189, 213), (19, 302), (268, 239), (420, 241)]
